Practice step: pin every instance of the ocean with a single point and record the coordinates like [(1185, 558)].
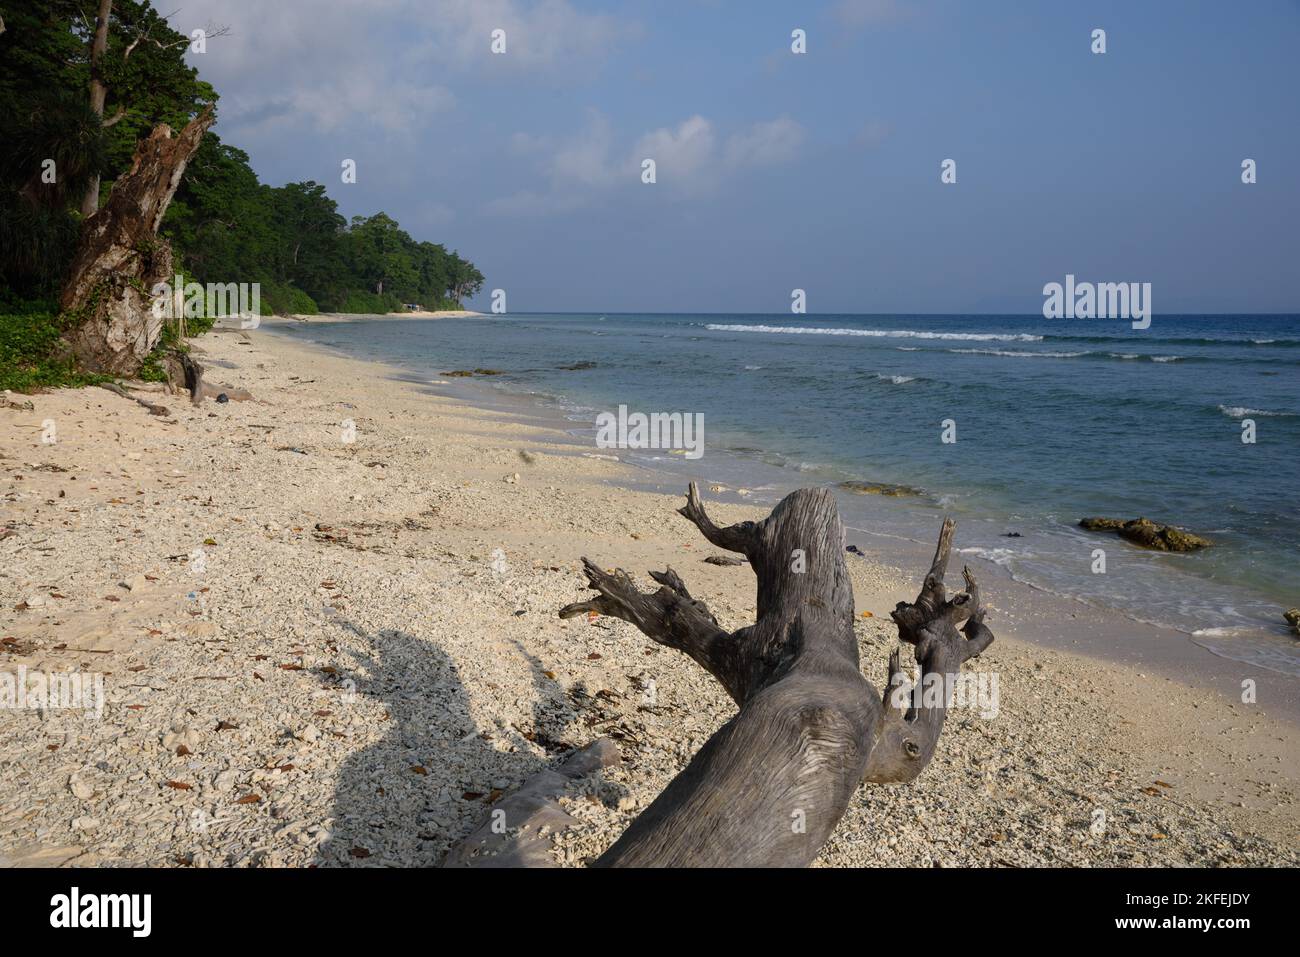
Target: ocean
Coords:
[(1054, 420)]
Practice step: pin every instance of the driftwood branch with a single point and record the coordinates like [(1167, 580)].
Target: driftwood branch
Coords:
[(520, 829), (769, 787), (153, 408)]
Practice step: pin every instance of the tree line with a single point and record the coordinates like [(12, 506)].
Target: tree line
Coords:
[(81, 83)]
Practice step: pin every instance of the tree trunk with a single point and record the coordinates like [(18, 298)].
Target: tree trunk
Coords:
[(120, 256), (769, 787), (98, 94)]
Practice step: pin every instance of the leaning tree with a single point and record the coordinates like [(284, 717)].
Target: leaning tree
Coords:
[(770, 785)]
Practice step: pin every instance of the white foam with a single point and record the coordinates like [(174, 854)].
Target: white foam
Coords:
[(1019, 354), (998, 556), (877, 333), (1240, 411)]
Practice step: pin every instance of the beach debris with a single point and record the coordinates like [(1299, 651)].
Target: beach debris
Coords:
[(853, 549), (81, 788), (181, 737), (7, 402), (113, 387), (878, 488), (510, 479), (527, 457), (724, 560), (1148, 534)]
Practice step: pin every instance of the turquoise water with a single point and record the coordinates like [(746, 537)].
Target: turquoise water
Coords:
[(1055, 420)]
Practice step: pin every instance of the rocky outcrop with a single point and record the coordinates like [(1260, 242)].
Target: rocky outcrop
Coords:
[(1148, 534), (878, 488), (1292, 617)]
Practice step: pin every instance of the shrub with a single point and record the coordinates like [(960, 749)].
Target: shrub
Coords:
[(31, 356)]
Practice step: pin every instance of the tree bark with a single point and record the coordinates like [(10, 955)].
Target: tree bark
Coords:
[(98, 94), (120, 256), (769, 787)]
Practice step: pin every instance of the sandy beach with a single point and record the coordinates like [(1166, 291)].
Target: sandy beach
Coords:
[(326, 625), (407, 314)]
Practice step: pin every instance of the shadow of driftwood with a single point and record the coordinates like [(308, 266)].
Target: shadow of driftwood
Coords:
[(404, 800)]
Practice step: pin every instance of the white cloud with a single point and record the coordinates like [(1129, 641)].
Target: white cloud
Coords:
[(680, 155), (689, 160), (328, 64), (542, 34), (765, 144)]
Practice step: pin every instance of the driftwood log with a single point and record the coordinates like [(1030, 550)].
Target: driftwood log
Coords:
[(120, 257), (769, 787)]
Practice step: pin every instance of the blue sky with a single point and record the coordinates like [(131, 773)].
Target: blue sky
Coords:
[(778, 171)]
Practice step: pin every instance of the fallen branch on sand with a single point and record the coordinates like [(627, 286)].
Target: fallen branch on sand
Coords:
[(769, 787), (153, 408)]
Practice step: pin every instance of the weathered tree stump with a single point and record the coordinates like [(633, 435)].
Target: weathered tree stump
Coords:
[(120, 256), (769, 787)]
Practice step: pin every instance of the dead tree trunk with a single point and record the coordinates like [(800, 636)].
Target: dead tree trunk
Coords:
[(120, 256), (769, 787), (98, 94)]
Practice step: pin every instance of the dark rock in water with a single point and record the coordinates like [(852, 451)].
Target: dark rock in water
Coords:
[(853, 550), (1011, 535), (1292, 617), (724, 560), (223, 397), (1101, 524), (879, 488), (1148, 534), (578, 366), (463, 373)]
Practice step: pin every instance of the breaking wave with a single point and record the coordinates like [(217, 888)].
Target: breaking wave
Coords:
[(877, 333)]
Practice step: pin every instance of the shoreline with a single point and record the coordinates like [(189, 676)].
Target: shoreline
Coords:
[(371, 561), (362, 317), (1034, 612)]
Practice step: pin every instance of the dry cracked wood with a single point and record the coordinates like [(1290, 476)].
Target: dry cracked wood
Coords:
[(120, 257), (769, 787)]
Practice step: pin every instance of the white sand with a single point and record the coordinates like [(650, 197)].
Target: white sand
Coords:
[(379, 673)]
